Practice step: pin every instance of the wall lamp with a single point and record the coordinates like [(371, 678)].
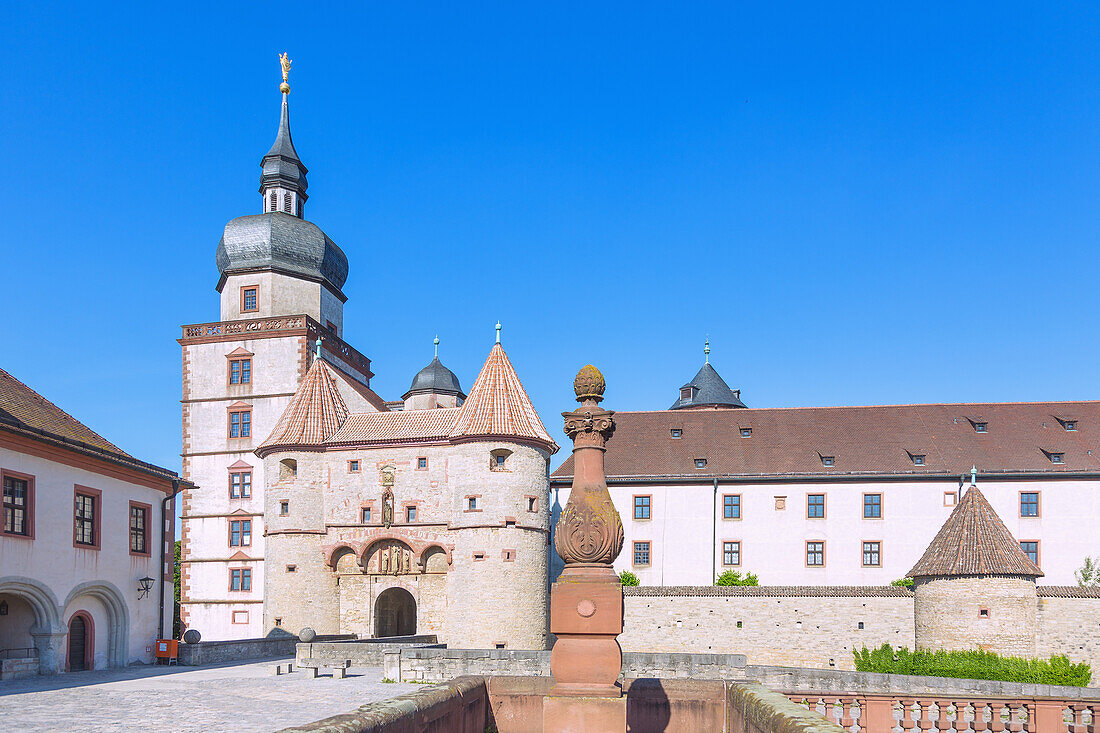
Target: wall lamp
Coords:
[(144, 586)]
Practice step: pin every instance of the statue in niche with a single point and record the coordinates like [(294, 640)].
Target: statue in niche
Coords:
[(387, 508), (394, 559)]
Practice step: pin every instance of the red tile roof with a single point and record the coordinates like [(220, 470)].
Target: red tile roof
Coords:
[(396, 427), (498, 406), (864, 441), (974, 541), (315, 412)]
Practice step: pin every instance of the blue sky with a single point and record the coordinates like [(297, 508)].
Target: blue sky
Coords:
[(873, 204)]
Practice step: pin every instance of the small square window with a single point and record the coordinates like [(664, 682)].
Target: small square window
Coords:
[(249, 300), (284, 508), (353, 466), (918, 459), (950, 498), (676, 433), (292, 568), (700, 462), (1070, 424), (746, 432), (642, 505), (278, 621), (981, 427), (508, 555), (240, 617), (364, 515), (983, 613), (828, 461), (641, 553), (410, 514), (1057, 457), (421, 463), (532, 503)]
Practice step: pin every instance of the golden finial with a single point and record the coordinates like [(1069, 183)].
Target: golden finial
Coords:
[(285, 63)]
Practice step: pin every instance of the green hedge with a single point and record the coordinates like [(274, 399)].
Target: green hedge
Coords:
[(973, 665)]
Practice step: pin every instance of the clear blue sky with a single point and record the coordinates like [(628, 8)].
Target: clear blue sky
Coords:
[(859, 206)]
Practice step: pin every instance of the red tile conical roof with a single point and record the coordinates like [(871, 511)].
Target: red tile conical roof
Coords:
[(315, 413), (498, 406), (974, 541)]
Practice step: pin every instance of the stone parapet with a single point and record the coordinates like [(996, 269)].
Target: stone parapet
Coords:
[(213, 652)]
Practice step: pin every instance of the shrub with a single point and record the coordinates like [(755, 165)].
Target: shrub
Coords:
[(733, 577), (903, 582), (628, 578), (973, 665), (1089, 573)]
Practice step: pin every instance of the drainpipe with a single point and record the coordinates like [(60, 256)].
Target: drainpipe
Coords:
[(714, 532), (164, 552)]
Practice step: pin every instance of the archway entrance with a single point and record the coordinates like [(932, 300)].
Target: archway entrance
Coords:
[(79, 643), (395, 613)]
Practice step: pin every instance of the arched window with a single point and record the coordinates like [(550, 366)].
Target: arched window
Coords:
[(498, 459), (286, 202), (288, 469)]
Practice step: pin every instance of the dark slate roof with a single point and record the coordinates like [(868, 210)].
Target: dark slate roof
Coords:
[(974, 541), (22, 410), (870, 441), (772, 591), (281, 165), (435, 378), (279, 241), (710, 391)]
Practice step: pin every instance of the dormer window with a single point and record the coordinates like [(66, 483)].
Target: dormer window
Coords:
[(676, 433), (686, 393), (700, 462), (1070, 425), (828, 461), (1057, 457), (746, 432), (980, 427), (918, 459)]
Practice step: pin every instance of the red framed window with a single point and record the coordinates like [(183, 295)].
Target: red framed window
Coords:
[(250, 299), (240, 423), (641, 554), (139, 528), (240, 371), (18, 502), (86, 517), (240, 579), (240, 533), (240, 484)]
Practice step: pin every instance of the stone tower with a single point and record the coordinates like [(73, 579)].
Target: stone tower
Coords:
[(280, 280), (974, 587)]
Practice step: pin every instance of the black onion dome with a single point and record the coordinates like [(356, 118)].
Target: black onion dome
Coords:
[(435, 378), (283, 243)]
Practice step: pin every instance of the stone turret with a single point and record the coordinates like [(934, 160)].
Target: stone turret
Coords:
[(974, 587)]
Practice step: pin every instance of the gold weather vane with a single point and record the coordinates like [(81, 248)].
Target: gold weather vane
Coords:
[(285, 63)]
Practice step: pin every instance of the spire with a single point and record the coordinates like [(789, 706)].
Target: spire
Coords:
[(283, 181), (498, 332), (974, 541), (436, 342), (498, 406), (706, 350)]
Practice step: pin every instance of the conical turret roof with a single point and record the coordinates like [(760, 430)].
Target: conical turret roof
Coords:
[(314, 414), (974, 541), (498, 406), (708, 389)]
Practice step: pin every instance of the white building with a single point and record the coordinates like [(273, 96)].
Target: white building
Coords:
[(85, 559), (841, 495)]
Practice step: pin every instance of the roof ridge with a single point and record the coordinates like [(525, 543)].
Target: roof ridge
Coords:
[(862, 407)]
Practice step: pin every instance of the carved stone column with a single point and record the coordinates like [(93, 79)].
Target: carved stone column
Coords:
[(586, 603)]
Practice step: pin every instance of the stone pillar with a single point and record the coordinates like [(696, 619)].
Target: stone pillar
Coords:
[(586, 603), (51, 651)]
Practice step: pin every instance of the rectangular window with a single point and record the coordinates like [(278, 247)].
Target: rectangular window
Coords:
[(353, 466), (700, 462), (240, 533), (815, 554), (139, 528), (284, 508), (240, 371), (471, 503), (86, 518), (676, 432), (532, 503), (918, 459), (731, 553), (828, 461), (815, 506), (872, 506), (421, 463), (641, 507), (731, 506), (240, 579), (950, 498), (249, 300), (240, 484), (1029, 503), (240, 423), (641, 553), (1057, 457), (872, 554), (981, 427), (240, 617), (18, 505), (410, 514), (365, 515), (1031, 549)]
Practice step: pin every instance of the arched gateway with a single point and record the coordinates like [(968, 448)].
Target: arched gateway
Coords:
[(395, 613)]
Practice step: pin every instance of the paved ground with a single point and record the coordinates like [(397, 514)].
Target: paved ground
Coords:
[(237, 697)]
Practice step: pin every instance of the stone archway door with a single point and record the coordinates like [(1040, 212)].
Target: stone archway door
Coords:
[(395, 613), (80, 643)]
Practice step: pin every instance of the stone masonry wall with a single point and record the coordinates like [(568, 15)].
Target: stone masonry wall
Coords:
[(997, 614), (809, 630), (1070, 626)]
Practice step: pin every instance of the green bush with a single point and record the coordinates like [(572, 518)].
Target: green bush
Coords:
[(628, 578), (733, 577), (903, 582), (973, 665)]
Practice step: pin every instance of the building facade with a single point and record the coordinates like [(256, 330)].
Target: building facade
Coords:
[(845, 496), (85, 545), (291, 535)]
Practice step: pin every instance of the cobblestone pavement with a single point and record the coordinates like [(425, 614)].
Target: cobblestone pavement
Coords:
[(237, 697)]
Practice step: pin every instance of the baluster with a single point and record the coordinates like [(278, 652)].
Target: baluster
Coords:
[(962, 710), (1094, 719), (907, 721), (942, 723), (925, 723), (1078, 718), (1015, 715), (997, 717), (846, 720), (811, 702)]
